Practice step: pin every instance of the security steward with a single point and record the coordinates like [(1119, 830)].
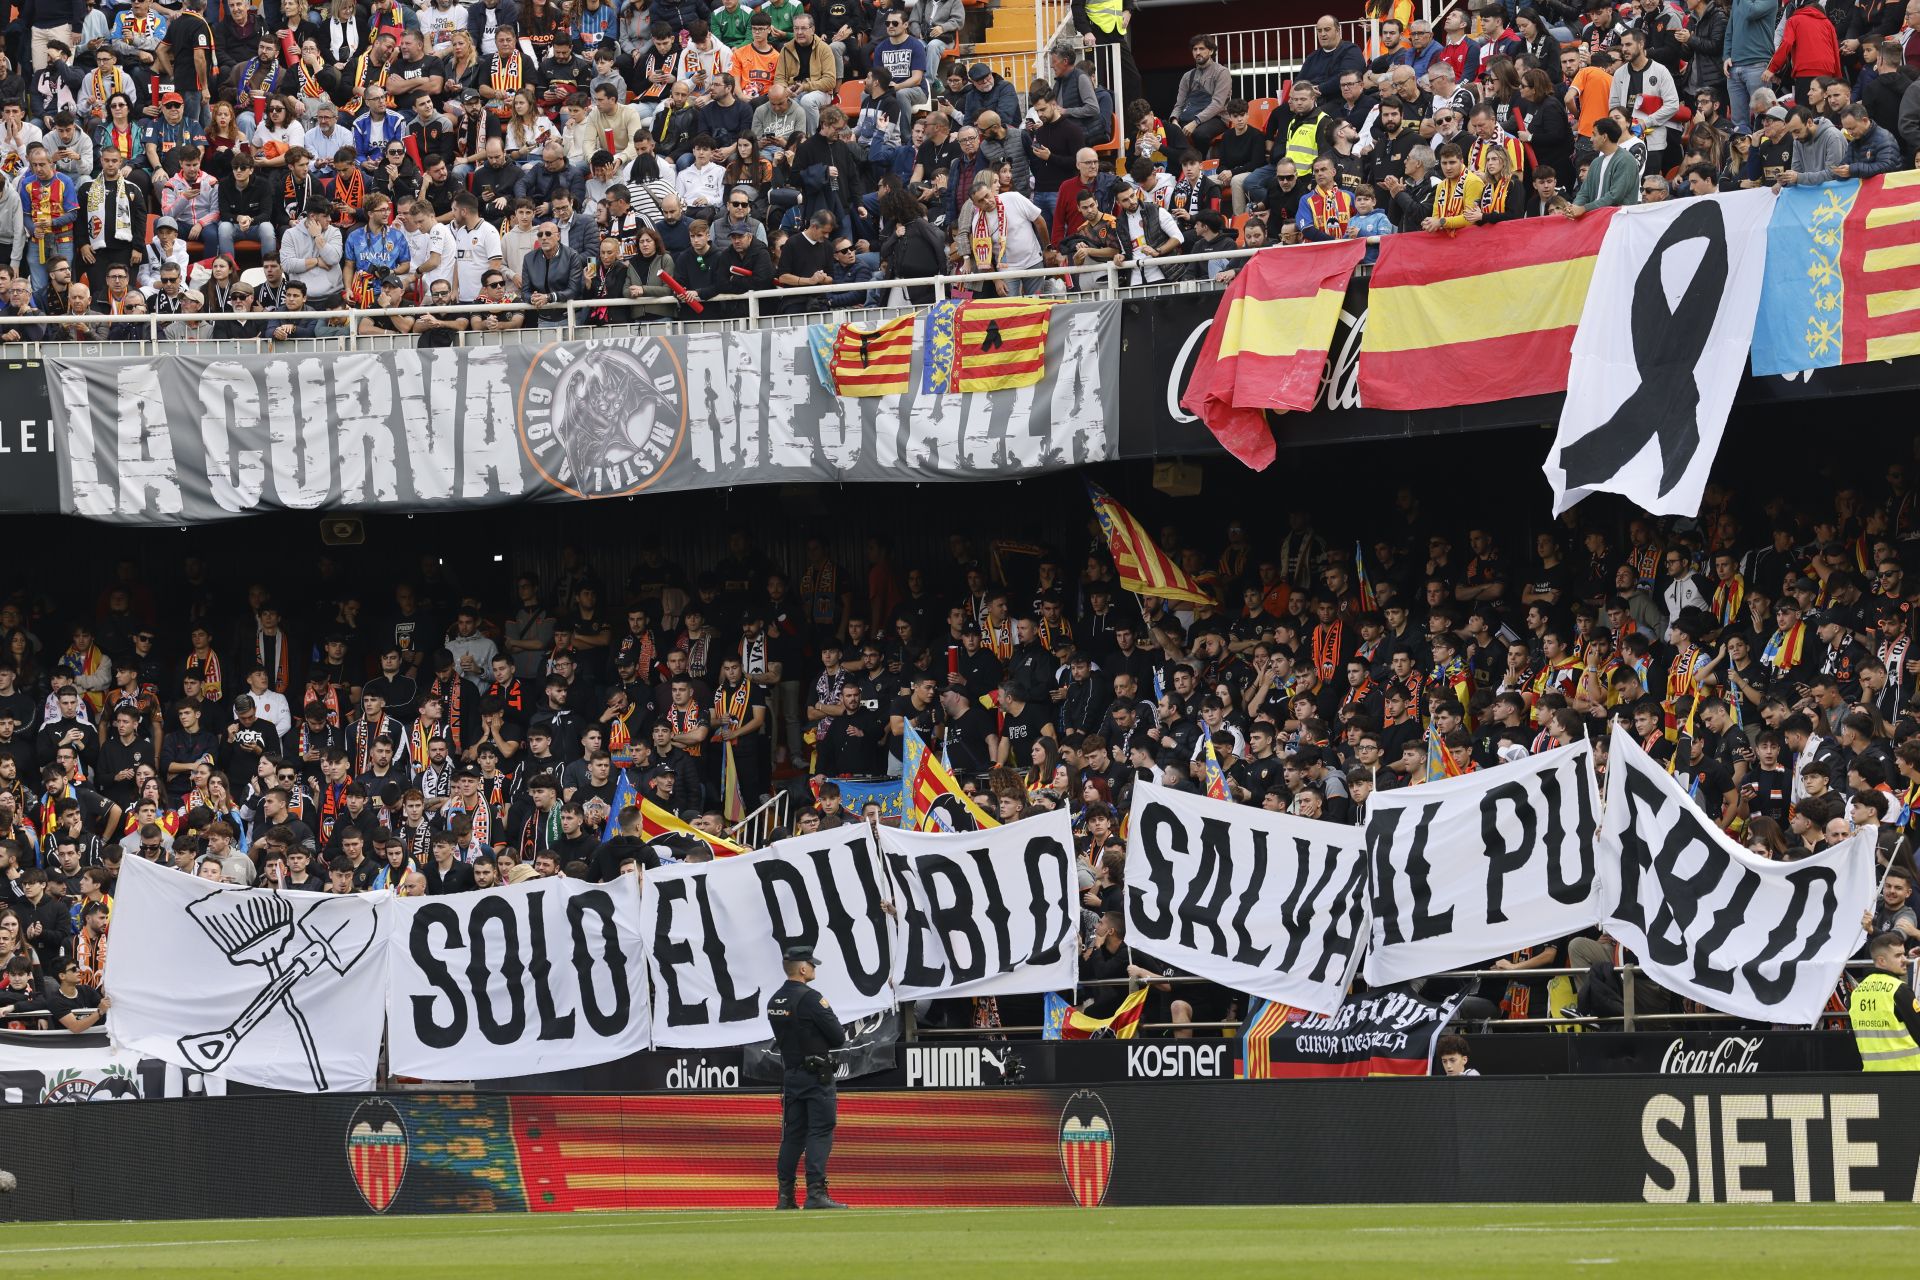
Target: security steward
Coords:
[(1885, 1012), (807, 1032)]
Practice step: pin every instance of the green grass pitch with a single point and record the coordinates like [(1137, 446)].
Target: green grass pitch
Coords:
[(1399, 1241)]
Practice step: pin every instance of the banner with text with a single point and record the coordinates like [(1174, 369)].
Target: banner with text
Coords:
[(516, 980), (717, 932), (1261, 902), (1711, 921), (281, 990), (1387, 1033), (1466, 869), (985, 913), (171, 439)]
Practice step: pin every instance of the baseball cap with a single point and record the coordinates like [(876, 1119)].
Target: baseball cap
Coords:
[(165, 224), (172, 100), (1776, 113)]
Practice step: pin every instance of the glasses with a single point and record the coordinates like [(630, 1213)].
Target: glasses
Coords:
[(739, 204), (849, 249), (494, 283)]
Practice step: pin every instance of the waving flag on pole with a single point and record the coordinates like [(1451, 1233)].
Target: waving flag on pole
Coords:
[(1367, 600), (1120, 1026), (1216, 780), (623, 795), (733, 805), (1144, 568)]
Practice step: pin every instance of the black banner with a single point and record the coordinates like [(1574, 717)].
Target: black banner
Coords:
[(29, 472), (870, 1049), (1707, 1139), (1160, 338)]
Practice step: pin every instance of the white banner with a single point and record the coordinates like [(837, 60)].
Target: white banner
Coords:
[(281, 990), (1660, 350), (985, 912), (1709, 920), (50, 1067), (1468, 869), (717, 931), (541, 976), (1260, 902)]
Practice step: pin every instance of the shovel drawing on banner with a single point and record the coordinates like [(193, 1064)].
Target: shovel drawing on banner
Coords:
[(258, 929)]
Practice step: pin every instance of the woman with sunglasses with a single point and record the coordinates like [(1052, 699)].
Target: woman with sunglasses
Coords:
[(277, 134), (397, 177)]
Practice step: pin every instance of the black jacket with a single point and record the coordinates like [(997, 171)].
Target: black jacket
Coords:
[(745, 272), (254, 201)]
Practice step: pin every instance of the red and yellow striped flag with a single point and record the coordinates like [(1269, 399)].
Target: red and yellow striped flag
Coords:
[(873, 362), (1121, 1026), (1268, 345), (1144, 568), (1000, 343), (1467, 319)]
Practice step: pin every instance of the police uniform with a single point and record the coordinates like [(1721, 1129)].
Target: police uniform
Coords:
[(807, 1032), (1886, 1022)]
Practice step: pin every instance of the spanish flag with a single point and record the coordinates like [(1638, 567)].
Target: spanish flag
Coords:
[(1121, 1026), (1144, 568), (656, 822), (1268, 345), (873, 362), (1457, 320), (931, 780)]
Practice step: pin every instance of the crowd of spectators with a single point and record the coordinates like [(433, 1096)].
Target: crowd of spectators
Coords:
[(420, 737)]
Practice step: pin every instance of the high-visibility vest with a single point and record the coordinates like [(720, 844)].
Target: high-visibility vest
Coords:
[(1884, 1041), (1105, 14), (1303, 141)]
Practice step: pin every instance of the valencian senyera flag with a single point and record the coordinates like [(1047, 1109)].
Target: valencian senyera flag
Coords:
[(1120, 1026), (873, 362), (931, 782), (991, 344), (1267, 347), (656, 822), (1144, 568), (1842, 283)]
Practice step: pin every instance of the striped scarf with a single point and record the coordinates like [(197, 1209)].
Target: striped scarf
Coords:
[(1729, 597)]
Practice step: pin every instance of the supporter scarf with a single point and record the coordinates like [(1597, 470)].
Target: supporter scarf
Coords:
[(1453, 676), (327, 696), (418, 739), (452, 692), (697, 657), (332, 799), (103, 83), (365, 73), (1893, 656), (1645, 563), (1326, 650), (1682, 677), (505, 77), (620, 740), (1332, 212), (1552, 677), (730, 705), (999, 637), (364, 735), (349, 192), (984, 236), (252, 69), (820, 588), (481, 837), (1502, 141), (48, 803), (97, 233), (1052, 633), (685, 722), (1911, 818), (310, 84), (539, 832), (1450, 198), (1494, 198), (272, 653), (1728, 598), (1786, 648), (1357, 693)]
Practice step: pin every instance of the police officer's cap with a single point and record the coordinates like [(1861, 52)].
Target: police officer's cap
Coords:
[(798, 955)]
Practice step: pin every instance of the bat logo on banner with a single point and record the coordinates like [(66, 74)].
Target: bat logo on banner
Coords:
[(254, 929), (1086, 1148), (377, 1152), (604, 420)]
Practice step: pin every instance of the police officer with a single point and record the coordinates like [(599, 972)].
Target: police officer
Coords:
[(807, 1033), (1885, 1012)]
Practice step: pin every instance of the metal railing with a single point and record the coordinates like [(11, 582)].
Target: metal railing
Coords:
[(754, 829), (1262, 60), (765, 308)]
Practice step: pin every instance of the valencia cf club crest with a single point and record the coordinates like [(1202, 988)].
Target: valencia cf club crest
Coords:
[(603, 419), (377, 1152), (1086, 1148)]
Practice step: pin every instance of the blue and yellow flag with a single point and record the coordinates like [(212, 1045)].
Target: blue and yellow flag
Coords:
[(1838, 287), (936, 366), (820, 347), (623, 795), (1216, 780)]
